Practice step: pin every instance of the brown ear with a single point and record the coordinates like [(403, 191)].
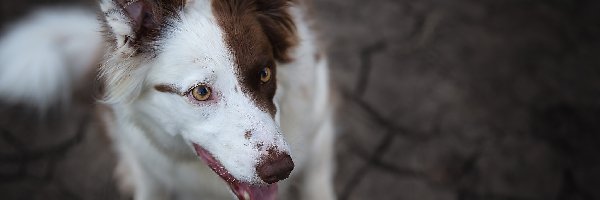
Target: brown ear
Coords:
[(278, 26), (138, 23)]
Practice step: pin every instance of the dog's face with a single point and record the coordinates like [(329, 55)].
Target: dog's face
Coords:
[(207, 70)]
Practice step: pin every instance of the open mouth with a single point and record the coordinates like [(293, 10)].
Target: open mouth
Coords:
[(243, 190)]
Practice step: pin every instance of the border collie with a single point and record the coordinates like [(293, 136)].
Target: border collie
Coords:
[(204, 99)]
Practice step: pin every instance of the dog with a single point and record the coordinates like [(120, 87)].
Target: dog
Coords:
[(203, 99)]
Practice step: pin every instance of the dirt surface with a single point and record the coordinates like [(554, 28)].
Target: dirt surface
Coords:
[(448, 100)]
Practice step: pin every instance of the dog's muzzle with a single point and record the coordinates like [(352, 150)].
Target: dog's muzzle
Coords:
[(273, 167)]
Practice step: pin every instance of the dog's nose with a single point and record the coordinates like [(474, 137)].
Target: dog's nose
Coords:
[(275, 167)]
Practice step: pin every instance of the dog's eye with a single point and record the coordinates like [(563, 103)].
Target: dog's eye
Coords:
[(201, 92), (265, 75)]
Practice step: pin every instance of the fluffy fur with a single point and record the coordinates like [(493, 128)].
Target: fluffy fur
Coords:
[(156, 51), (41, 58)]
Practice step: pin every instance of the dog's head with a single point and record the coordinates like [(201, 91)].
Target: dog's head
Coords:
[(206, 69)]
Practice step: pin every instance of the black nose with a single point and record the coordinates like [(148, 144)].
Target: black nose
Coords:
[(275, 167)]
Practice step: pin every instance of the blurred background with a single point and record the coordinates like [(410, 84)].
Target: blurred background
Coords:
[(448, 100)]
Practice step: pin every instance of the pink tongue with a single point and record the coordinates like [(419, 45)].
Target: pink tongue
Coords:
[(254, 192)]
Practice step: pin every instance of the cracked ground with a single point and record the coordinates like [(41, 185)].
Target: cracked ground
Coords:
[(448, 100)]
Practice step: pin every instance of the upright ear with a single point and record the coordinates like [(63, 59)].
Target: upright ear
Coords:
[(136, 24), (278, 25)]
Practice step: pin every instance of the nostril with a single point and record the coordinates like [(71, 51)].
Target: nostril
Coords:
[(275, 167)]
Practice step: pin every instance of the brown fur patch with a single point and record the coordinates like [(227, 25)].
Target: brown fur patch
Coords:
[(167, 88), (278, 25), (258, 32), (248, 135)]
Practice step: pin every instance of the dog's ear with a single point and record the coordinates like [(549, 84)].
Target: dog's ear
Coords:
[(278, 25), (136, 24), (131, 28)]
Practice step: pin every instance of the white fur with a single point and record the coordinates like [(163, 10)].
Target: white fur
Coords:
[(307, 112), (122, 72), (42, 56), (153, 131)]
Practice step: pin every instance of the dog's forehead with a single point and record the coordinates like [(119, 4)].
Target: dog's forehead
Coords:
[(193, 49), (211, 41)]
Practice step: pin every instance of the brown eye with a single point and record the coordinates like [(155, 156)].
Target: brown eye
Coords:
[(201, 92), (265, 74)]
